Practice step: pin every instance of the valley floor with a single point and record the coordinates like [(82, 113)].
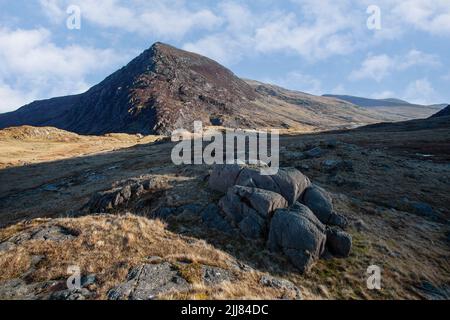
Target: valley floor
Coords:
[(393, 189)]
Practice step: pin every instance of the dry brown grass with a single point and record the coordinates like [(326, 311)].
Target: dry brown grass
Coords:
[(27, 145), (109, 246)]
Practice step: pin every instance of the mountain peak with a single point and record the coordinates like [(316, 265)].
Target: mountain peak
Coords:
[(162, 89)]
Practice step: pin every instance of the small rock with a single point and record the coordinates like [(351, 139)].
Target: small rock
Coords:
[(360, 225), (331, 165), (338, 220), (148, 281), (214, 275), (71, 295), (43, 233), (316, 152), (432, 292), (339, 242), (291, 291)]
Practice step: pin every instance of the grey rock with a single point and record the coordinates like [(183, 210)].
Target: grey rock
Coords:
[(88, 280), (41, 233), (331, 165), (164, 213), (360, 225), (252, 178), (331, 144), (214, 275), (263, 201), (298, 234), (213, 219), (72, 295), (252, 226), (292, 183), (6, 246), (250, 209), (148, 281), (339, 243), (320, 203), (291, 291), (223, 177), (289, 182), (192, 208), (105, 201), (232, 207), (432, 292), (316, 152), (338, 220), (18, 289), (419, 208), (423, 209)]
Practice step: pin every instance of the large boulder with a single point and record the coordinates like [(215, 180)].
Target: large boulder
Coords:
[(250, 209), (263, 201), (289, 182), (339, 243), (252, 226), (223, 177), (320, 203), (297, 233)]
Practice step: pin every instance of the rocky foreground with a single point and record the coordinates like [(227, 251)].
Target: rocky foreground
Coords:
[(140, 228)]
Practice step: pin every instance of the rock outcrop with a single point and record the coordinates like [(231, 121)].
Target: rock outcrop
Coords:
[(298, 234), (285, 210)]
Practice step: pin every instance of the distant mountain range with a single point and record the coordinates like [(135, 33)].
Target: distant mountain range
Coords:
[(166, 88), (392, 106)]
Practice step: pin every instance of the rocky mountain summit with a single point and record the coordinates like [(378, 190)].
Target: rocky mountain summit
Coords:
[(166, 88)]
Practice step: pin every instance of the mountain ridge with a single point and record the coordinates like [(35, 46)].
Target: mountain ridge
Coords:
[(166, 88)]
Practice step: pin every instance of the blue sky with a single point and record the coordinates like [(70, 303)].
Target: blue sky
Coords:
[(313, 46)]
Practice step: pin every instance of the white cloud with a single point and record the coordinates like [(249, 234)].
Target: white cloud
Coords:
[(378, 67), (12, 98), (339, 90), (384, 94), (298, 81), (421, 91), (53, 10), (165, 19), (429, 16), (374, 67), (33, 67), (317, 30)]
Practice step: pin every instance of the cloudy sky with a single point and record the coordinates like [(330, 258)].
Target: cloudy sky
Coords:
[(309, 45)]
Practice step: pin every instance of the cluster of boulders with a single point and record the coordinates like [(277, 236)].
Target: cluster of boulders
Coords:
[(108, 200), (293, 215)]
